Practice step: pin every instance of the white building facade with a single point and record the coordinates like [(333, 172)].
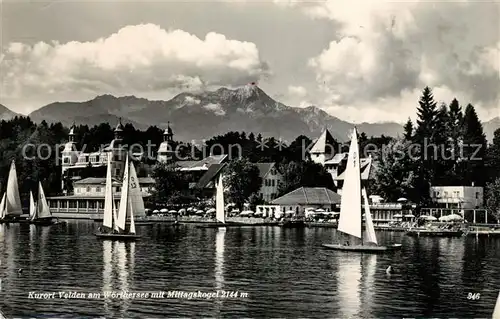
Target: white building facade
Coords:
[(457, 197)]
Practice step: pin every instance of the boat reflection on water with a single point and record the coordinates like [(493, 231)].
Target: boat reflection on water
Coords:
[(219, 262), (368, 290), (116, 275), (349, 286)]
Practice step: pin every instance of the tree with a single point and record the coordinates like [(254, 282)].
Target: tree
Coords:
[(394, 176), (242, 180), (493, 157), (424, 136), (303, 174), (170, 184), (492, 195), (473, 148), (408, 130)]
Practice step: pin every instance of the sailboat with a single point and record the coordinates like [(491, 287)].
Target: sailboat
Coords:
[(32, 207), (350, 222), (11, 209), (42, 215), (220, 214), (114, 227)]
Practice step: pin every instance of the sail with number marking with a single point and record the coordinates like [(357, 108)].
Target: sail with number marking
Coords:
[(135, 194), (350, 205), (370, 230), (13, 200), (220, 214)]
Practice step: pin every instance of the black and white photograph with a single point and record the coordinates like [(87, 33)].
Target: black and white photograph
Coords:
[(249, 159)]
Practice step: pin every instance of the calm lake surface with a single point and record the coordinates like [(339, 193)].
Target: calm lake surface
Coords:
[(285, 273)]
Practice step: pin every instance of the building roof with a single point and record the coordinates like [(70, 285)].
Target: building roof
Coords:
[(264, 168), (209, 175), (366, 170), (202, 165), (116, 195), (102, 181), (321, 143), (339, 157), (308, 196)]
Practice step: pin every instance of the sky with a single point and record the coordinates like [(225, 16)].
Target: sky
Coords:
[(359, 60)]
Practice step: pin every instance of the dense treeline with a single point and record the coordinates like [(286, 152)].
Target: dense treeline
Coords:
[(446, 146), (451, 150)]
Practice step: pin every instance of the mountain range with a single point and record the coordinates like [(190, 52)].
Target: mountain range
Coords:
[(5, 113), (202, 115)]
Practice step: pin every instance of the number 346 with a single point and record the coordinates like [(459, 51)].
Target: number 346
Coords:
[(473, 296)]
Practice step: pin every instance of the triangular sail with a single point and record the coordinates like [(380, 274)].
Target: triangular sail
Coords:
[(370, 230), (32, 207), (108, 199), (220, 215), (132, 222), (496, 311), (43, 209), (2, 206), (122, 212), (350, 206), (13, 200), (135, 194)]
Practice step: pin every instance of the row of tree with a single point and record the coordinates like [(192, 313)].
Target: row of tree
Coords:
[(446, 146)]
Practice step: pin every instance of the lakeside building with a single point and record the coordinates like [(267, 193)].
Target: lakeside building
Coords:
[(302, 198), (88, 198), (271, 178), (323, 152), (457, 197)]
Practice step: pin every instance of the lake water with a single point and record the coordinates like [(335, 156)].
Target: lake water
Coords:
[(284, 272)]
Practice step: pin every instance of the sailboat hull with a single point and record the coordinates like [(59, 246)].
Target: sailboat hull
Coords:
[(363, 248), (118, 236), (44, 221)]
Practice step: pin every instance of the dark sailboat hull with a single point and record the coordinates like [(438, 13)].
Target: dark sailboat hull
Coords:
[(122, 237), (363, 248)]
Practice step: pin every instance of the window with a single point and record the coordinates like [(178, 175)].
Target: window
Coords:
[(88, 189), (101, 204), (66, 160), (477, 195), (63, 204), (92, 204), (82, 204), (98, 189), (97, 158), (72, 204), (273, 182)]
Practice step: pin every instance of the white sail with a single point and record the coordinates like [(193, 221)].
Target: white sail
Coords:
[(2, 206), (122, 212), (350, 205), (135, 194), (370, 230), (13, 200), (43, 209), (496, 311), (220, 215), (132, 222), (32, 207), (108, 199)]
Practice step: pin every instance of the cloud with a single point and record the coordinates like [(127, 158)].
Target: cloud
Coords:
[(216, 108), (139, 58), (297, 91), (387, 51)]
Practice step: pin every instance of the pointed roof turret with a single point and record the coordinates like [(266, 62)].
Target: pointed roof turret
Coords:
[(119, 126), (168, 133)]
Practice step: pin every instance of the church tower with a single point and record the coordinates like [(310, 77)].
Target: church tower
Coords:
[(69, 153), (166, 153), (118, 151)]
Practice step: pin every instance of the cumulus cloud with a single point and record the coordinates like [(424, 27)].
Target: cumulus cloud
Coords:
[(297, 91), (140, 58), (387, 51), (216, 108)]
